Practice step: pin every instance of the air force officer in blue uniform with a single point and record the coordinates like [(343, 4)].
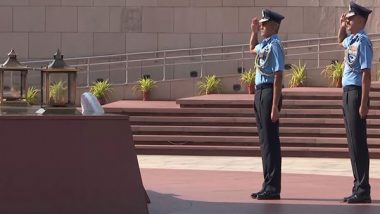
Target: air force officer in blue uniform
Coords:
[(356, 84), (269, 65)]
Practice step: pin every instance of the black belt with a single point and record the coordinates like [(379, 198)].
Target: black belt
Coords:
[(264, 86), (351, 88)]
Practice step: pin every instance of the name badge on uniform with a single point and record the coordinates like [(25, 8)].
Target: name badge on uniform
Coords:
[(263, 54), (262, 60), (353, 49), (352, 54)]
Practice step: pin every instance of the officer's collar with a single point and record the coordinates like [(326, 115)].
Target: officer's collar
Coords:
[(267, 40), (360, 33)]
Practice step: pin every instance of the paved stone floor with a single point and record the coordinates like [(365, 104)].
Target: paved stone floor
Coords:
[(189, 185)]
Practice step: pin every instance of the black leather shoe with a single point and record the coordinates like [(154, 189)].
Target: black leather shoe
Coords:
[(254, 195), (268, 196), (348, 197), (357, 199)]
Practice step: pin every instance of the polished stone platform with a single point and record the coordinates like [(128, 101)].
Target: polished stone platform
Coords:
[(226, 192)]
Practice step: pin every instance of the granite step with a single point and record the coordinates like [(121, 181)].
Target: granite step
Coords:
[(243, 140), (243, 131), (317, 152)]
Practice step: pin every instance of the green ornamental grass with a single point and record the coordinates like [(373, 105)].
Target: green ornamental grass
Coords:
[(209, 85), (297, 75), (31, 95)]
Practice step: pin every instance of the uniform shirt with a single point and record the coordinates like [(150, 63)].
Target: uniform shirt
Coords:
[(271, 46), (359, 55)]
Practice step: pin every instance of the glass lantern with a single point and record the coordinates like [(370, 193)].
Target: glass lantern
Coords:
[(58, 84), (13, 84)]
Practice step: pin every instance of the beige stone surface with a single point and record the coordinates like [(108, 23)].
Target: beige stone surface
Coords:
[(297, 36), (117, 92), (141, 3), (99, 71), (314, 78), (329, 3), (373, 23), (245, 17), (155, 72), (222, 19), (183, 71), (93, 19), (76, 2), (44, 45), (125, 19), (319, 20), (300, 3), (17, 41), (228, 82), (5, 19), (14, 2), (367, 3), (61, 19), (190, 20), (129, 93), (205, 40), (109, 43), (77, 44), (45, 2), (236, 38), (157, 19), (312, 166), (35, 28), (118, 20), (29, 19), (109, 2), (168, 41), (221, 68), (163, 93), (270, 3), (140, 42), (117, 73), (208, 3), (134, 74), (177, 88), (173, 3), (238, 3), (292, 22)]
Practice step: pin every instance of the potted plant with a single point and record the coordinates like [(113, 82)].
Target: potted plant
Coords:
[(100, 90), (209, 85), (248, 79), (31, 95), (145, 85), (57, 93), (297, 75), (334, 72)]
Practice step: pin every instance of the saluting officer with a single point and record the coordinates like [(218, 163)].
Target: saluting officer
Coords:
[(269, 63), (356, 84)]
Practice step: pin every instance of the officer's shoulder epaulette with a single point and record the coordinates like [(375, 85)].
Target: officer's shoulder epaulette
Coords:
[(363, 38), (276, 41)]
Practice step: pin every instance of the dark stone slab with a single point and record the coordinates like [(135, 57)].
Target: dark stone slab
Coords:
[(69, 164)]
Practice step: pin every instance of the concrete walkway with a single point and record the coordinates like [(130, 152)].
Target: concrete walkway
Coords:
[(315, 166), (200, 184)]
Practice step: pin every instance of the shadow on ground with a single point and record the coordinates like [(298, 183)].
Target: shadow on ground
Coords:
[(172, 204)]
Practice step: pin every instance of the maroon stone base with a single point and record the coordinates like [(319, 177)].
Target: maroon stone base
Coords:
[(69, 164)]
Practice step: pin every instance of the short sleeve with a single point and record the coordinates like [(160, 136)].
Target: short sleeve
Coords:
[(346, 42), (365, 54), (258, 48), (278, 58)]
